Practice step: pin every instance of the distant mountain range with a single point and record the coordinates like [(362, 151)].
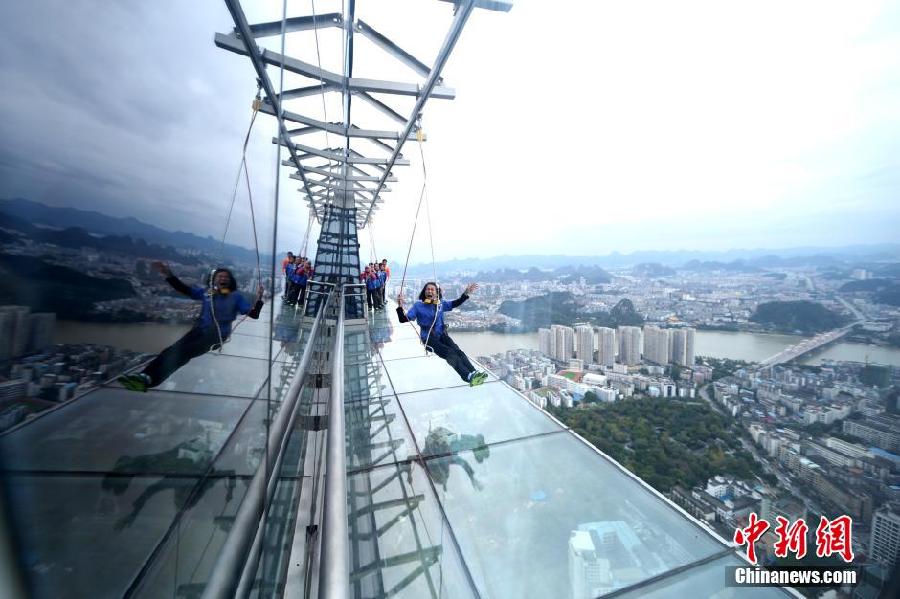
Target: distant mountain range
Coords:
[(647, 263), (852, 256), (102, 224)]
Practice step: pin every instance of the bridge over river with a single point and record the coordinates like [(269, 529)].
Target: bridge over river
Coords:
[(792, 352)]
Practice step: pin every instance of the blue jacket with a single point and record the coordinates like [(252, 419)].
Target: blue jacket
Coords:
[(371, 282), (426, 314), (227, 307), (297, 274), (381, 277)]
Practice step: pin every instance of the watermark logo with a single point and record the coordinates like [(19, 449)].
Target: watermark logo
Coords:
[(832, 537)]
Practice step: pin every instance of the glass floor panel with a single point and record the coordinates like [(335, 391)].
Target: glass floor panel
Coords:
[(250, 346), (185, 561), (366, 380), (400, 349), (376, 433), (452, 420), (243, 453), (120, 431), (708, 580), (400, 545), (87, 538), (530, 502), (423, 373), (216, 374)]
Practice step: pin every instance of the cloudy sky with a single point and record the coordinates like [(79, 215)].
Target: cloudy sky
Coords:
[(579, 127)]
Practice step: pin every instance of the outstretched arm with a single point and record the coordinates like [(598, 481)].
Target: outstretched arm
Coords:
[(470, 289), (176, 283), (253, 312), (403, 315)]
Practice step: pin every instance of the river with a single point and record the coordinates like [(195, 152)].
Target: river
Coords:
[(151, 337)]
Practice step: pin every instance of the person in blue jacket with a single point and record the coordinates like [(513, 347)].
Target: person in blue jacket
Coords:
[(368, 277), (298, 273), (221, 305), (428, 312), (381, 281)]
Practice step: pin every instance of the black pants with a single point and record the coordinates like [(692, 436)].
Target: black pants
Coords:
[(297, 292), (446, 348), (370, 297), (195, 342)]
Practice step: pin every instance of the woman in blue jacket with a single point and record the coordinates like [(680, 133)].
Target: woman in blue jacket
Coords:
[(221, 305), (428, 312)]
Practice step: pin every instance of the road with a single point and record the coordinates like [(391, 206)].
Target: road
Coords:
[(769, 465)]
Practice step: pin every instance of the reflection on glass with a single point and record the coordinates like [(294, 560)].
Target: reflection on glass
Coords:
[(70, 546), (185, 562), (707, 580), (189, 456), (215, 374), (93, 432), (376, 433), (441, 442), (541, 501), (498, 411), (399, 543)]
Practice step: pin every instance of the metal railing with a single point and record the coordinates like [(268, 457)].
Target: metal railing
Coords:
[(243, 541), (334, 570)]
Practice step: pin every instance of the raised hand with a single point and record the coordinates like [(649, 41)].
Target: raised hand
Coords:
[(162, 268), (471, 288)]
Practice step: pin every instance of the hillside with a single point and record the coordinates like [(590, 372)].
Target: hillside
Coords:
[(560, 308), (665, 442), (799, 316), (46, 287), (94, 222)]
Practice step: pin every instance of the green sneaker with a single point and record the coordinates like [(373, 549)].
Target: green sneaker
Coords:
[(134, 382), (478, 378)]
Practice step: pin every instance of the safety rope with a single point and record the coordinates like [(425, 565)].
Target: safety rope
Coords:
[(420, 137), (309, 224), (242, 169)]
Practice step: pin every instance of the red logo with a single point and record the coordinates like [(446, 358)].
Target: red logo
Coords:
[(835, 537), (748, 536), (832, 536), (790, 538)]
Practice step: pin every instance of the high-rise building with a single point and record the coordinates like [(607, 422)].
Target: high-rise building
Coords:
[(7, 323), (606, 346), (630, 339), (584, 346), (884, 542), (564, 347), (42, 325), (689, 357), (14, 331), (656, 344), (545, 342), (683, 347)]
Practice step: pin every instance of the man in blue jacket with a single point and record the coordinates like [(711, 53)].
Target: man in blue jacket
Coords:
[(428, 312), (381, 281), (221, 305)]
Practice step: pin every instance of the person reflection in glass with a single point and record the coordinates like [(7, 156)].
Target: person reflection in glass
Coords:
[(222, 303), (447, 444), (187, 457)]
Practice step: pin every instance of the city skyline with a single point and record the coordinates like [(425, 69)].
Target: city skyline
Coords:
[(727, 149)]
